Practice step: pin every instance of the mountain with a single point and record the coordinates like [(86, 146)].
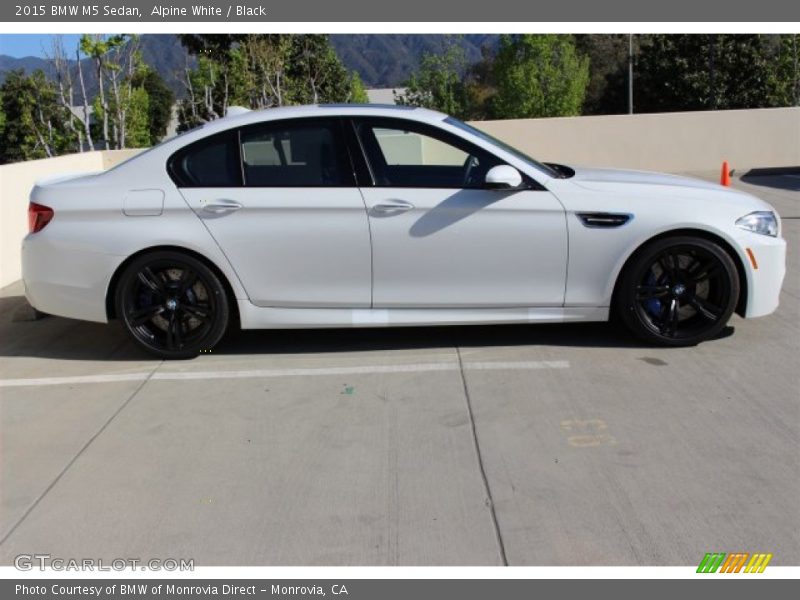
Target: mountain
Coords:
[(27, 63), (387, 60), (163, 52), (382, 60)]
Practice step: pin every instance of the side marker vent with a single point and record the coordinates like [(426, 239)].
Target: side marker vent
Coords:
[(604, 220)]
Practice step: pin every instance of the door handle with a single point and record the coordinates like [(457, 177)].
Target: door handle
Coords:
[(222, 205), (392, 207)]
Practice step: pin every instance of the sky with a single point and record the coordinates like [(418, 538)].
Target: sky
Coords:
[(19, 45)]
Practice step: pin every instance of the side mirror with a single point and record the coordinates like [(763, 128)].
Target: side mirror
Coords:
[(503, 177)]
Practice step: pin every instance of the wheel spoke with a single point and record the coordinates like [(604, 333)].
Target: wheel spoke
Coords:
[(704, 271), (198, 312), (188, 277), (669, 265), (648, 292), (672, 318), (705, 308), (143, 315), (173, 332), (151, 280)]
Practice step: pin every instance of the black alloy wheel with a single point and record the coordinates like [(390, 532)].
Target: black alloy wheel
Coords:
[(678, 291), (172, 304)]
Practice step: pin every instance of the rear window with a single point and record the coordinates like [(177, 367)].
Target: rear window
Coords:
[(299, 153), (210, 162)]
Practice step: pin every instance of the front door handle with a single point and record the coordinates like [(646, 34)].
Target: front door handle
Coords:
[(392, 207), (222, 205)]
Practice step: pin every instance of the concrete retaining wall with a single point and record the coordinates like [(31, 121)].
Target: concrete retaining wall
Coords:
[(16, 182), (672, 142)]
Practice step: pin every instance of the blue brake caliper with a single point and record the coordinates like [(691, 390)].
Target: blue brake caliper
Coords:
[(653, 305)]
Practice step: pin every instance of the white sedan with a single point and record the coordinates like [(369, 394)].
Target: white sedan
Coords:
[(373, 216)]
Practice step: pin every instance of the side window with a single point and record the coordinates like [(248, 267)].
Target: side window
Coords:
[(301, 153), (409, 154), (210, 162)]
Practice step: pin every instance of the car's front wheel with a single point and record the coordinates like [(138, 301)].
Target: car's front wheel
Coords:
[(678, 291), (172, 304)]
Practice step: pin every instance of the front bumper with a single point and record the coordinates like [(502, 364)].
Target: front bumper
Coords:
[(765, 278)]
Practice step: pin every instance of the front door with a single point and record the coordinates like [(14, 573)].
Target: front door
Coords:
[(440, 239)]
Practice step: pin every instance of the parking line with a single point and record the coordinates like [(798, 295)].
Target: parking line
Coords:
[(297, 372)]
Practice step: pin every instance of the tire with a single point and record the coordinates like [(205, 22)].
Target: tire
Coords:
[(172, 304), (678, 291)]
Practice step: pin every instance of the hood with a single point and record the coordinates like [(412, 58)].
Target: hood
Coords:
[(596, 178)]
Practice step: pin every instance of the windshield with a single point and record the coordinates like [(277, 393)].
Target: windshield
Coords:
[(501, 144)]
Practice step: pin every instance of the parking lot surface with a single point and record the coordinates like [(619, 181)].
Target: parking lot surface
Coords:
[(520, 445)]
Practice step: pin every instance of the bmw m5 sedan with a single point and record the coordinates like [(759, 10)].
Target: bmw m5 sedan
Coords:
[(374, 216)]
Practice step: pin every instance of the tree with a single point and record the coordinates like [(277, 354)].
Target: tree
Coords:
[(357, 93), (66, 91), (136, 115), (209, 84), (160, 99), (2, 116), (437, 83), (34, 119), (607, 92), (480, 86), (260, 71), (702, 72), (98, 47), (538, 76), (261, 68), (316, 72), (87, 122), (785, 76)]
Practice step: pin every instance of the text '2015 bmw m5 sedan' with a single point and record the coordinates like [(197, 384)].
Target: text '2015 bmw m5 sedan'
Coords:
[(371, 216)]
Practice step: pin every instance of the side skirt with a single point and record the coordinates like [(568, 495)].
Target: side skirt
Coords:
[(256, 317)]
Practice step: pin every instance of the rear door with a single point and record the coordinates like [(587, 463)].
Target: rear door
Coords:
[(280, 199)]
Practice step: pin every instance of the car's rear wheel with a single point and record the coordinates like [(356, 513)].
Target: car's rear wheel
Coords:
[(172, 304), (678, 291)]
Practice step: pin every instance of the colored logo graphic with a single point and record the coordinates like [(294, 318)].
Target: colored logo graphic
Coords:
[(734, 563)]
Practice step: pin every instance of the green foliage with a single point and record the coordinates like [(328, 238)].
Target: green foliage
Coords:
[(528, 76), (703, 72), (34, 121), (133, 107), (261, 71), (316, 73), (438, 83), (98, 47), (2, 117), (137, 116), (257, 74), (539, 76), (784, 80), (160, 99), (607, 92), (357, 94)]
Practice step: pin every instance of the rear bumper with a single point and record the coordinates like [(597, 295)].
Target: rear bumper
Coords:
[(765, 281), (66, 281)]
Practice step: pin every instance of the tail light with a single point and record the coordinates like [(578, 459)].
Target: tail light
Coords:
[(38, 216)]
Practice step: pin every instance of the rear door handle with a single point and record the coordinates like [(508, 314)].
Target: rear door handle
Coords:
[(222, 205), (392, 207)]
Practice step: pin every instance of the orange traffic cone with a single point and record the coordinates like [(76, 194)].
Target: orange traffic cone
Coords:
[(725, 176)]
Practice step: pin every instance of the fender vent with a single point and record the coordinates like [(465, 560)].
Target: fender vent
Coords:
[(604, 220)]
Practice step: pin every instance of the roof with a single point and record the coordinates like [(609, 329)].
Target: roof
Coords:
[(291, 112)]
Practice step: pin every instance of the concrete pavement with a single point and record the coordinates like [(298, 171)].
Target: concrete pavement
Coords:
[(526, 445)]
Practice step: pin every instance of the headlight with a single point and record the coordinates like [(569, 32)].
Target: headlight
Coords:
[(763, 221)]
